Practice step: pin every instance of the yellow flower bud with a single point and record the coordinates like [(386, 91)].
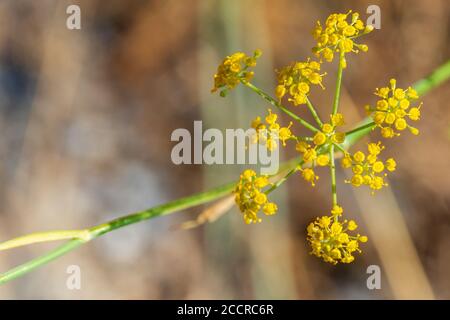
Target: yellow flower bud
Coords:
[(323, 160), (359, 156), (327, 128), (357, 180), (378, 167), (319, 138), (390, 118), (391, 164), (280, 91), (400, 124), (352, 225)]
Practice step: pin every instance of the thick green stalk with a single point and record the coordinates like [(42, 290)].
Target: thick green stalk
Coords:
[(275, 103), (423, 86)]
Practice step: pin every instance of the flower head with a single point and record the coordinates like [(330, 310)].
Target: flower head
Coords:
[(251, 199), (234, 69), (330, 240), (297, 79), (367, 168), (338, 34), (327, 136), (393, 109)]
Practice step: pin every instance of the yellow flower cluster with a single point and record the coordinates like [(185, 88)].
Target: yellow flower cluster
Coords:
[(296, 80), (393, 108), (251, 199), (330, 240), (338, 35), (331, 237), (327, 136), (270, 131), (234, 69), (367, 169)]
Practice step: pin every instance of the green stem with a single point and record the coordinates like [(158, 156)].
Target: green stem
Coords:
[(333, 176), (165, 209), (362, 129), (337, 93), (39, 261), (424, 86), (275, 103), (337, 145), (282, 180), (439, 75), (314, 113)]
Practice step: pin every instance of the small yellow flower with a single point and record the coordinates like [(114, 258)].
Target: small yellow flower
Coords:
[(337, 119), (346, 161), (391, 164), (375, 148), (327, 128), (309, 175), (352, 225), (302, 146), (270, 208), (271, 118), (357, 180), (319, 138), (359, 156), (363, 239), (378, 167), (261, 182), (338, 137), (337, 210), (358, 169), (310, 155), (260, 198), (323, 160), (414, 113)]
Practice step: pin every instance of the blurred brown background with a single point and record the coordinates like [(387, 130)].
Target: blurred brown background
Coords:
[(85, 121)]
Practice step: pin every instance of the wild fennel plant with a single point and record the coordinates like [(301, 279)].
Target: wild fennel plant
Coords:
[(338, 37)]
